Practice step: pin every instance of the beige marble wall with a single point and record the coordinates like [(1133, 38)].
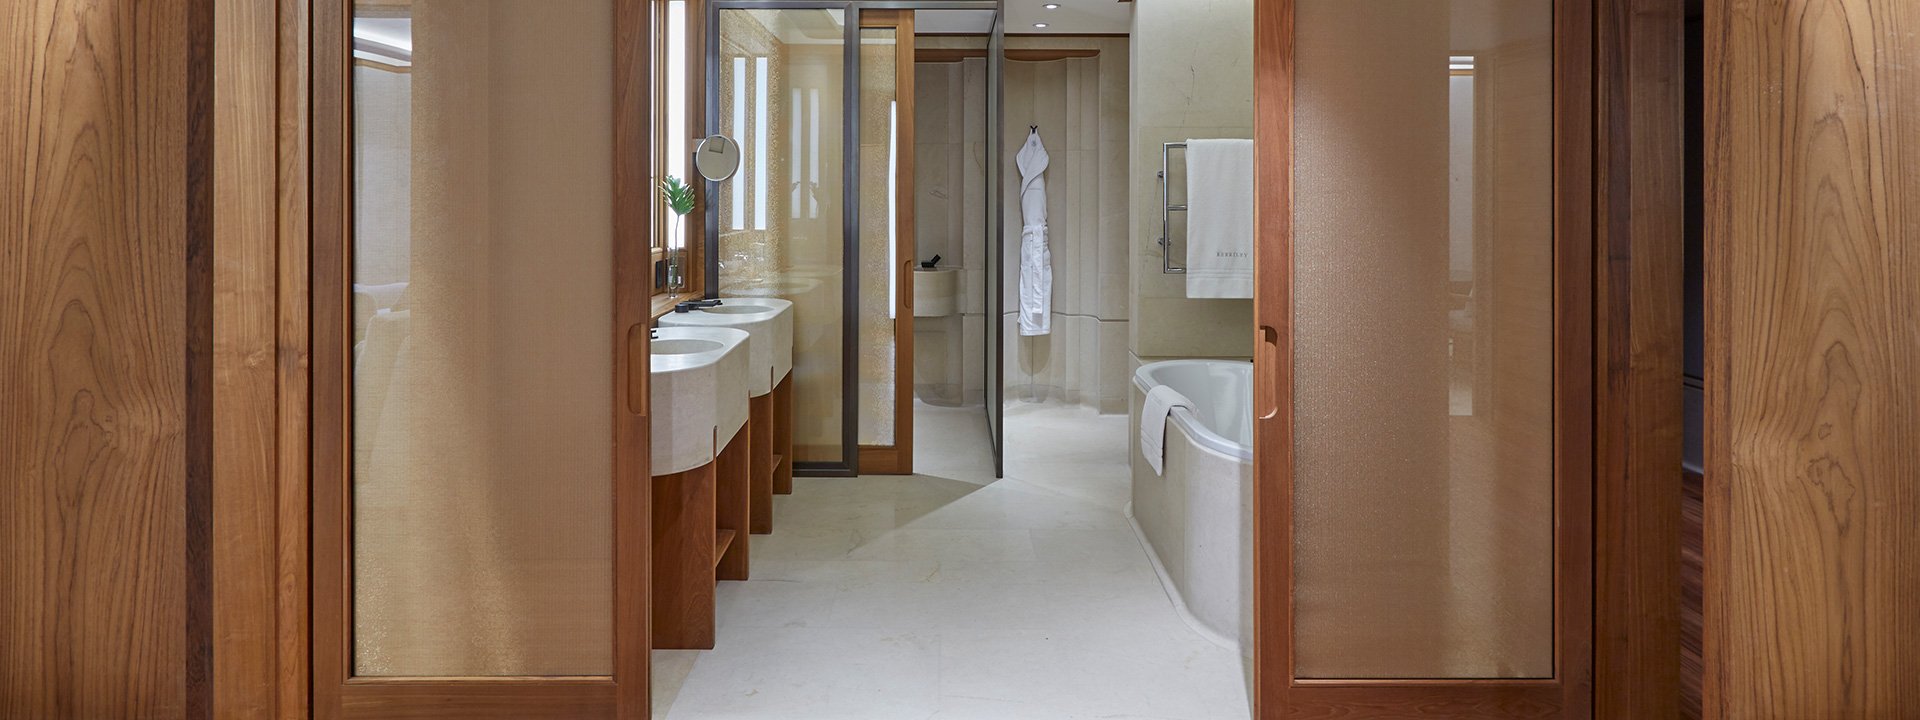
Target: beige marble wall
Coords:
[(1081, 106), (950, 221), (1192, 78)]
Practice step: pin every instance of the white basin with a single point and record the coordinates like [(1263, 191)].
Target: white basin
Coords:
[(686, 346), (935, 292), (699, 378), (768, 320)]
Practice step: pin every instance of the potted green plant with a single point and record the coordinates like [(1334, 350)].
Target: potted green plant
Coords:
[(679, 198)]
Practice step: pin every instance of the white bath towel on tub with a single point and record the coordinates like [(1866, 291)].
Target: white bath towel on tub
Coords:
[(1220, 218), (1161, 401)]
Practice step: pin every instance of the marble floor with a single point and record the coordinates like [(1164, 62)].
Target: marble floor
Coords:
[(948, 595)]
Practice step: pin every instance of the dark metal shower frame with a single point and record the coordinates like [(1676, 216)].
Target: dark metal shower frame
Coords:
[(849, 190)]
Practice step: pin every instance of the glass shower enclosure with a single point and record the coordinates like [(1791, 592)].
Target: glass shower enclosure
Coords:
[(819, 97)]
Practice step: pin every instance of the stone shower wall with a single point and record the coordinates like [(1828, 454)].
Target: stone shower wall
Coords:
[(1081, 106)]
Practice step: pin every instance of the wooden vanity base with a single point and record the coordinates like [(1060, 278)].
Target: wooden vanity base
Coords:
[(734, 487), (783, 436), (761, 414), (683, 562), (700, 520)]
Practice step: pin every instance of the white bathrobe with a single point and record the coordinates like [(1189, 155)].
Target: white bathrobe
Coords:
[(1036, 260)]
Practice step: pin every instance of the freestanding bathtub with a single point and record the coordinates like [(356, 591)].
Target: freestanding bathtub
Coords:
[(1197, 520)]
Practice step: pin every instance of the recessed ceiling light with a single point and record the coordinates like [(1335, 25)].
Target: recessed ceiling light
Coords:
[(1039, 25), (1051, 6)]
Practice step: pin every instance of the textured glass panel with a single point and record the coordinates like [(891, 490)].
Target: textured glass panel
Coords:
[(481, 436), (879, 125), (1424, 320), (781, 76)]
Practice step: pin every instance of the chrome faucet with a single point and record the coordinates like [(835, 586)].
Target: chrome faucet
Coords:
[(691, 304)]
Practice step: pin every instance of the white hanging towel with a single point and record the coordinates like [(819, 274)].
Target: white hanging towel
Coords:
[(1220, 218), (1159, 405), (1036, 260)]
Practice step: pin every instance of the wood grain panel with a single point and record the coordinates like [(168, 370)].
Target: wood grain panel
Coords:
[(733, 506), (329, 224), (632, 287), (293, 644), (760, 430), (105, 368), (1638, 175), (1273, 374), (783, 436), (1692, 662), (246, 370), (516, 698), (684, 518), (1812, 359)]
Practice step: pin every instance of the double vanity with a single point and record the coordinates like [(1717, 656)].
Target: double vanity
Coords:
[(722, 434)]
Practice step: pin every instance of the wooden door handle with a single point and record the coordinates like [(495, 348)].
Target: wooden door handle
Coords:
[(906, 286), (639, 367), (1267, 361)]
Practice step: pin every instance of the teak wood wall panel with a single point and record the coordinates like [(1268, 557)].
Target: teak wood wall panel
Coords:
[(1812, 497), (105, 336), (1639, 428)]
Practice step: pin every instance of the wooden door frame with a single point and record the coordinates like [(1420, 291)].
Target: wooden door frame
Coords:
[(335, 692), (1617, 308), (261, 351), (1637, 185), (897, 459)]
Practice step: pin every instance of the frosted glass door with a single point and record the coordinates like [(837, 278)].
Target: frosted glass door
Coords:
[(1428, 282), (482, 442), (886, 241), (479, 304)]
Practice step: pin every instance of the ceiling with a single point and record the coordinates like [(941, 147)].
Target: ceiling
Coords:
[(1073, 17)]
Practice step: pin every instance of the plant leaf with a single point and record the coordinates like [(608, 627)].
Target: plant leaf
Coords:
[(678, 194)]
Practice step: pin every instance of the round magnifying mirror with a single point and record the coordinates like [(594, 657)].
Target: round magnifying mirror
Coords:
[(717, 158)]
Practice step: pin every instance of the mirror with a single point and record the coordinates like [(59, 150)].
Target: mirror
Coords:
[(717, 158)]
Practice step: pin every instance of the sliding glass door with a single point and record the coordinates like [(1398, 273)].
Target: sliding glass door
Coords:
[(819, 96), (996, 247), (886, 241), (479, 301), (780, 226)]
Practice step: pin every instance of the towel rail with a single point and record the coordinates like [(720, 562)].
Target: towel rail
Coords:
[(1167, 209)]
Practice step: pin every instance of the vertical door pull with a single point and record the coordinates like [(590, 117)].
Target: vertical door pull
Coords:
[(1267, 362)]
